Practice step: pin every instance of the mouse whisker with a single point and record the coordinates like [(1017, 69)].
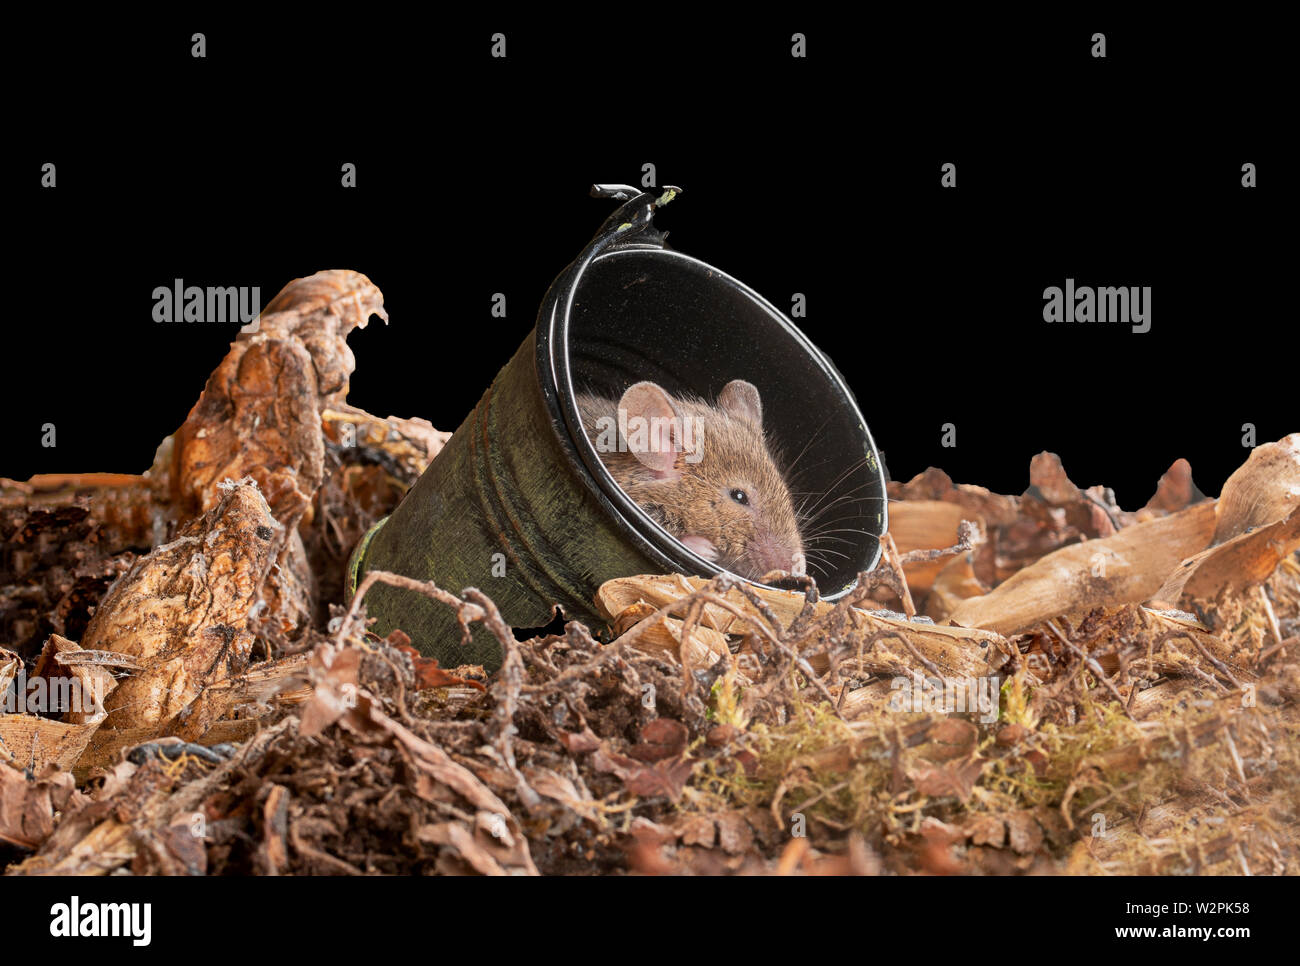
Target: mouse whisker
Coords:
[(822, 538), (830, 491), (814, 557), (833, 493), (841, 478), (827, 550), (836, 485), (829, 527), (839, 501), (806, 447), (808, 520)]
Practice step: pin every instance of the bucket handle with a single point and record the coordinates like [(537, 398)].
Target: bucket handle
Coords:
[(633, 220)]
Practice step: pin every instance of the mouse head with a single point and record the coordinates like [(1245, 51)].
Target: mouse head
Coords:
[(708, 476)]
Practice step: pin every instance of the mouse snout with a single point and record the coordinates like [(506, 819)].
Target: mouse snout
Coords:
[(768, 552)]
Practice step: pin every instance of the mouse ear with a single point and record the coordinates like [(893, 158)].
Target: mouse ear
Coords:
[(649, 425), (739, 399)]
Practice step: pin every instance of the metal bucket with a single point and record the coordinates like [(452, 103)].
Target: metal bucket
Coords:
[(518, 502)]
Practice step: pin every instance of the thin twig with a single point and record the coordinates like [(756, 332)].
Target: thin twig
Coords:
[(1272, 626), (895, 564)]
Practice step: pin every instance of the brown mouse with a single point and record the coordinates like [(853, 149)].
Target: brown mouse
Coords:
[(704, 473)]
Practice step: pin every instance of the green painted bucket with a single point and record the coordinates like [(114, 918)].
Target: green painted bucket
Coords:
[(518, 503)]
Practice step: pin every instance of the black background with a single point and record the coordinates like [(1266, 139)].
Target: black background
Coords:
[(475, 919), (818, 176)]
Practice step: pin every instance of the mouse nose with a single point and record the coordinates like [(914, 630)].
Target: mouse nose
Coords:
[(771, 554)]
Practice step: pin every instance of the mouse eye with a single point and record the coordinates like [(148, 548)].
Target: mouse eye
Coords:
[(741, 497)]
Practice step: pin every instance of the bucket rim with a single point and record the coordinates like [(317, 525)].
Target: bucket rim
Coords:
[(630, 233)]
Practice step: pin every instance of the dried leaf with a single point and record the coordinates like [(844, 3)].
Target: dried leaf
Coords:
[(1258, 526), (28, 807), (1128, 567)]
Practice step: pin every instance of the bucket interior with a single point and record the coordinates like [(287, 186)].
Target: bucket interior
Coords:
[(655, 314)]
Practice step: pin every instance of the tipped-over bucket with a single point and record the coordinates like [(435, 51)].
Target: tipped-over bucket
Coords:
[(518, 503)]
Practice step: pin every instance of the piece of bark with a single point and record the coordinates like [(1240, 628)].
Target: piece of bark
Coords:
[(1128, 567), (1262, 491), (182, 611), (995, 509), (955, 583), (411, 444), (94, 681), (29, 807), (926, 525), (30, 741), (260, 414), (616, 596), (1258, 525), (706, 645), (282, 680), (1091, 513), (1048, 478), (288, 593), (1175, 489), (1242, 561)]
